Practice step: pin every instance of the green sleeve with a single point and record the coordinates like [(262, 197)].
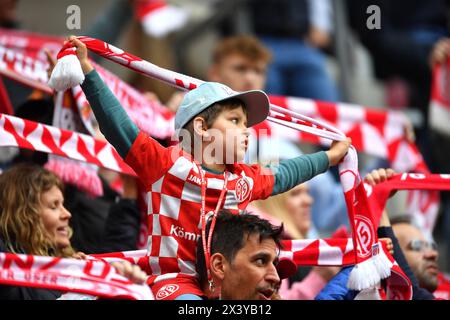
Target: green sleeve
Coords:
[(292, 172), (114, 122)]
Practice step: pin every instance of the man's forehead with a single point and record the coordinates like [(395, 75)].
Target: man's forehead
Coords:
[(240, 58), (407, 232), (255, 245)]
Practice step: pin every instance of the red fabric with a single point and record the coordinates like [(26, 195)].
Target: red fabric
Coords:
[(440, 98), (92, 277), (144, 7), (5, 103), (443, 290), (379, 194), (35, 136), (173, 288)]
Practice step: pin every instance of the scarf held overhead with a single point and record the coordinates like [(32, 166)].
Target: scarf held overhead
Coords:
[(372, 264)]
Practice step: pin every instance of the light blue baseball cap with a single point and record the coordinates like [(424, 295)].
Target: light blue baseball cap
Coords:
[(197, 100)]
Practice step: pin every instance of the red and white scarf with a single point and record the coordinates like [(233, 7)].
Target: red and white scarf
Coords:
[(22, 58), (31, 135), (91, 277), (372, 263), (440, 98), (379, 195), (304, 252), (376, 132)]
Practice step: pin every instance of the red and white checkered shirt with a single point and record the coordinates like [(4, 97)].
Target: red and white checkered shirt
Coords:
[(173, 185)]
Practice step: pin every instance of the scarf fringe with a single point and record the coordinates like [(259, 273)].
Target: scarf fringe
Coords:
[(370, 272), (67, 73), (70, 172)]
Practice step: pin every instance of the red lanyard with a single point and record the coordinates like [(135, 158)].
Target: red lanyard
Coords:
[(207, 246)]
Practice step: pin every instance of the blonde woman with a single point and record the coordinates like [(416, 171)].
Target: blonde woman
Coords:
[(33, 220)]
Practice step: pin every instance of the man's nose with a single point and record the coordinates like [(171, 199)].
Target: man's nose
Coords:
[(431, 254), (272, 275)]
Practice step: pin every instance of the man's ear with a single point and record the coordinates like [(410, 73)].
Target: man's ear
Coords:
[(218, 266), (200, 127)]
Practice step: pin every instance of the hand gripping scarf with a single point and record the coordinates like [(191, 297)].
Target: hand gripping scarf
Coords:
[(372, 264)]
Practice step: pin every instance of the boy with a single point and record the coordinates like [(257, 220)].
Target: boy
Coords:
[(185, 187)]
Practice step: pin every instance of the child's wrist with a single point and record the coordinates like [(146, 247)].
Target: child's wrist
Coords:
[(86, 66), (331, 157)]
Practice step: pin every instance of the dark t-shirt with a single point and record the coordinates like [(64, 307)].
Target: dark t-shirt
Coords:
[(8, 292)]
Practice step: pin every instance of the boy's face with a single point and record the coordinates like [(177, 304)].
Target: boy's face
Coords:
[(240, 73), (230, 134)]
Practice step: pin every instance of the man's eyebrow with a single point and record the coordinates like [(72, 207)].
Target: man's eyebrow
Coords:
[(266, 255)]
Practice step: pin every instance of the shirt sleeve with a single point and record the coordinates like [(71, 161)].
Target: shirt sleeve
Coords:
[(292, 172), (149, 159), (263, 181), (336, 288)]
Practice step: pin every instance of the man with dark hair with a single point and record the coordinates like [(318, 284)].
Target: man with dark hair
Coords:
[(244, 262)]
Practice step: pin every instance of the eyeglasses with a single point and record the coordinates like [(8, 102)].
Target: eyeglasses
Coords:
[(421, 246)]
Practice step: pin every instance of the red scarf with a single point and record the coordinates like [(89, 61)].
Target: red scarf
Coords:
[(379, 194), (91, 277), (440, 98)]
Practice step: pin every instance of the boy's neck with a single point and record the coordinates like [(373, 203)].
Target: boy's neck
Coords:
[(214, 167)]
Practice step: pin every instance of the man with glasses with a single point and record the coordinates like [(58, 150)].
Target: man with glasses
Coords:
[(422, 256)]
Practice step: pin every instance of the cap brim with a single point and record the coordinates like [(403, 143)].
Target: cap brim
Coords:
[(256, 103), (286, 268)]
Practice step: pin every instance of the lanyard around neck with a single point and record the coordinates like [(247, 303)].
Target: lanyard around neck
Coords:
[(207, 245)]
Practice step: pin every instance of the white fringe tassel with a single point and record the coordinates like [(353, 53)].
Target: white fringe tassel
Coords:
[(66, 74), (368, 273)]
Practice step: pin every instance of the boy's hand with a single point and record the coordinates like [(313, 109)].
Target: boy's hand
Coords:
[(378, 176), (82, 54), (337, 151)]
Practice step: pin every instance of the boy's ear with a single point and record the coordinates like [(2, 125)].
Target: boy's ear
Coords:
[(200, 127)]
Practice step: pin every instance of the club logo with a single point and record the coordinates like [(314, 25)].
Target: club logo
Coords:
[(364, 235), (166, 291), (242, 189)]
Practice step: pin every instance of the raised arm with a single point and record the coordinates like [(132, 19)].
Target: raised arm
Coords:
[(114, 122), (292, 172)]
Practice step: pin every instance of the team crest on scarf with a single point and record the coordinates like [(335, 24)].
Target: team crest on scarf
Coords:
[(242, 189), (166, 291), (365, 235)]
